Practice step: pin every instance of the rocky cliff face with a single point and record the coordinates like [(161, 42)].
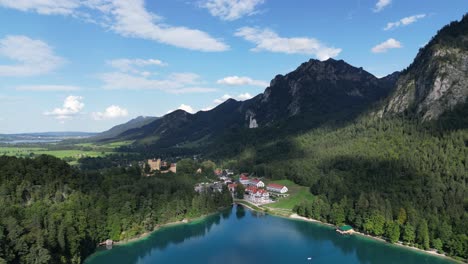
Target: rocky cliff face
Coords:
[(329, 89), (437, 81)]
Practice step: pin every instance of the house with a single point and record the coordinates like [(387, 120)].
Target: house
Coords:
[(244, 179), (258, 195), (278, 188), (250, 189), (345, 230), (257, 183), (232, 187), (154, 164), (199, 171), (218, 172)]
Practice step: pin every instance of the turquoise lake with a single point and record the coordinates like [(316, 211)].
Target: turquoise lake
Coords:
[(243, 236)]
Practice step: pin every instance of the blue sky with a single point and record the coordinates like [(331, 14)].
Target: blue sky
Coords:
[(86, 65)]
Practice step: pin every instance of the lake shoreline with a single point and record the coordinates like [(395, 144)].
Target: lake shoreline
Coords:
[(302, 218), (400, 244), (159, 227)]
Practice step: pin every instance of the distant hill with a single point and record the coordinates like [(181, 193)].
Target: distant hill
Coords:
[(117, 130)]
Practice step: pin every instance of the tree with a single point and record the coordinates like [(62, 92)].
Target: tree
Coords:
[(408, 233), (239, 191), (393, 231), (337, 214), (423, 235), (437, 244), (375, 224), (402, 216)]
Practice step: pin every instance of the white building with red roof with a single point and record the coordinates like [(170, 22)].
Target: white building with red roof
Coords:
[(258, 196), (257, 183), (278, 188), (244, 179)]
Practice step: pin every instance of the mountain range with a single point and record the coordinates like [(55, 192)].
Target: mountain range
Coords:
[(323, 93)]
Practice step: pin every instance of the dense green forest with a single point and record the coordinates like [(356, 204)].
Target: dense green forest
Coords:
[(53, 213), (392, 177)]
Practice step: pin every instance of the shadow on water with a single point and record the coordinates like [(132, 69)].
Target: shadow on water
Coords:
[(159, 240)]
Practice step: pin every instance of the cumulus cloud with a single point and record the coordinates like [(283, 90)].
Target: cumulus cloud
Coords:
[(381, 4), (133, 65), (111, 112), (236, 81), (404, 21), (48, 88), (124, 17), (186, 108), (386, 45), (44, 7), (268, 40), (71, 107), (222, 99), (32, 56), (230, 10), (177, 83)]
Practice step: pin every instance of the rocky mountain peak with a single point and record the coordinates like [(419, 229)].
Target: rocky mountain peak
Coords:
[(437, 80)]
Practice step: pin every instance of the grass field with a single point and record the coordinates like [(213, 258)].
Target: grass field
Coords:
[(297, 194), (69, 153)]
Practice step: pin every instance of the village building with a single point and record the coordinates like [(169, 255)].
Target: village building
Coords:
[(256, 195), (257, 183), (199, 171), (232, 187), (218, 172), (277, 188), (244, 179), (154, 164)]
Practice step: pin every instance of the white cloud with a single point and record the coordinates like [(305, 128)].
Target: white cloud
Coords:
[(236, 80), (222, 99), (240, 97), (404, 21), (32, 57), (124, 17), (186, 108), (132, 65), (386, 45), (244, 96), (231, 9), (177, 83), (381, 4), (47, 88), (72, 106), (44, 7), (268, 40), (111, 112)]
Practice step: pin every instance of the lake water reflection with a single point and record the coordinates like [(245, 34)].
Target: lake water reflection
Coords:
[(239, 235)]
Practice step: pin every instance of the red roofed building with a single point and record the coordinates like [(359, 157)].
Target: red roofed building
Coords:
[(257, 183), (251, 189), (244, 179), (278, 188), (232, 187), (258, 195)]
